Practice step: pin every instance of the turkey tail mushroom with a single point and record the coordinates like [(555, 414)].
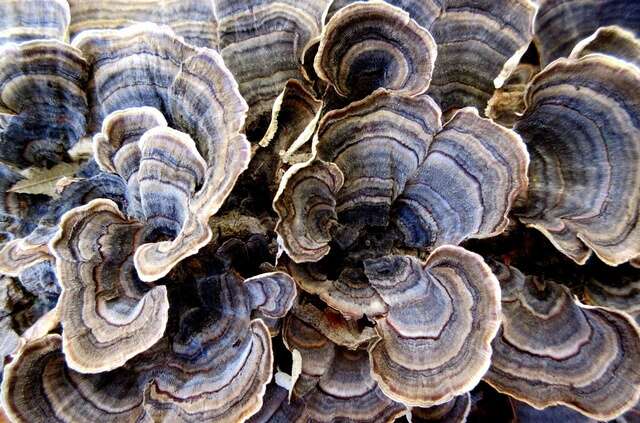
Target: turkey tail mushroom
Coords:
[(130, 67), (21, 253), (262, 43), (116, 148), (584, 111), (479, 45), (435, 340), (206, 104), (335, 383), (611, 40), (553, 350), (193, 20), (390, 132), (305, 204), (27, 20), (108, 314), (42, 96), (466, 186), (212, 365), (370, 45), (560, 24)]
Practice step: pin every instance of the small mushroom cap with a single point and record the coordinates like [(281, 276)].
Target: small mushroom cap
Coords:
[(553, 350), (271, 294), (388, 131), (560, 24), (148, 66), (465, 187), (305, 204), (108, 315), (42, 92), (479, 45), (436, 338), (335, 383), (26, 20), (212, 365), (578, 113), (193, 20), (368, 45), (454, 411), (262, 43), (611, 40), (116, 148)]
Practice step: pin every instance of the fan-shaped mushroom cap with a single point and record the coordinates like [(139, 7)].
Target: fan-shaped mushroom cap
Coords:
[(436, 338), (117, 151), (389, 132), (271, 294), (294, 111), (560, 24), (552, 350), (276, 407), (170, 170), (611, 40), (108, 315), (479, 45), (147, 65), (465, 187), (131, 67), (305, 204), (335, 383), (507, 103), (25, 20), (42, 87), (262, 43), (191, 19), (584, 111), (21, 253), (206, 103), (213, 365), (454, 411), (424, 12), (367, 45)]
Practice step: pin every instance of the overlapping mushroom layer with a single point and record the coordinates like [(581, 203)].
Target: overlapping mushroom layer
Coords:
[(578, 114), (436, 335), (560, 24), (193, 20), (108, 314), (553, 350), (478, 45), (334, 382), (22, 253), (42, 101), (212, 364), (433, 185), (262, 44)]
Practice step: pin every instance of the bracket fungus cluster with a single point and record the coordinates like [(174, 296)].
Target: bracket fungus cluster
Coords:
[(315, 210)]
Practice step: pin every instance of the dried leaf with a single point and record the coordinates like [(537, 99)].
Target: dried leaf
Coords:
[(43, 181)]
